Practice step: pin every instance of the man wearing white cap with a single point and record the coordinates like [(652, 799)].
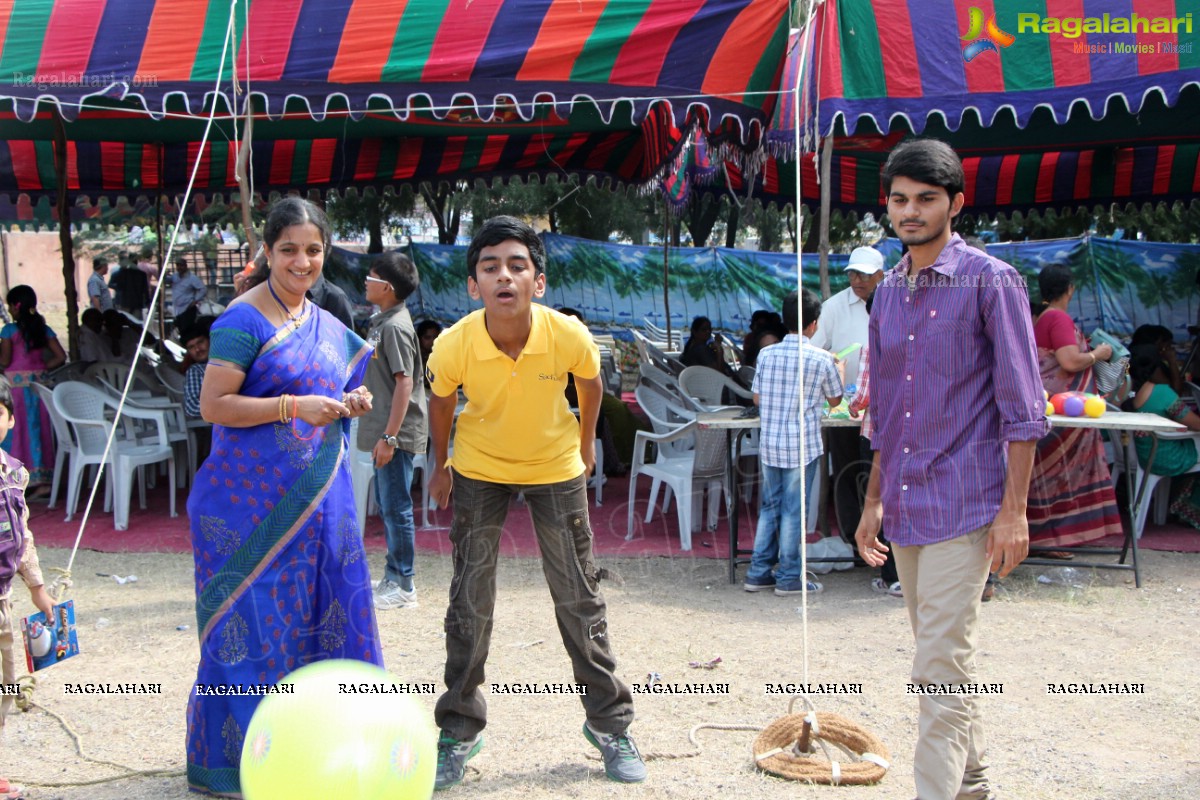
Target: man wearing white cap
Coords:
[(844, 322)]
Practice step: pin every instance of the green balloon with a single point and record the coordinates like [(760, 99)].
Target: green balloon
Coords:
[(322, 741)]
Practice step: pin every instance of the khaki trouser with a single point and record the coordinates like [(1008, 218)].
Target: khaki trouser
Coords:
[(942, 585), (560, 519), (8, 664)]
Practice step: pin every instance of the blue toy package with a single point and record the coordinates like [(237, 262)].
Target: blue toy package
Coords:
[(48, 642)]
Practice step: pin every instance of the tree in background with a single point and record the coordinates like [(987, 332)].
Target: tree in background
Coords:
[(372, 211), (445, 202)]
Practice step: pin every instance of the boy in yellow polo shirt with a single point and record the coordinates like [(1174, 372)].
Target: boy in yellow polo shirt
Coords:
[(517, 434)]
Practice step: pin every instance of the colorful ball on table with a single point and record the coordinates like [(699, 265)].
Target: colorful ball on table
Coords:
[(1050, 408), (319, 742), (1094, 407), (1057, 402), (1073, 406)]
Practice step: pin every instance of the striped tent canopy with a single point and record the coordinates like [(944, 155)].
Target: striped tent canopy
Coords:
[(1048, 102), (371, 92), (878, 62), (998, 182)]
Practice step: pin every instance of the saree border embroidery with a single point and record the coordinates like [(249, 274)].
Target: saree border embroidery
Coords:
[(281, 525)]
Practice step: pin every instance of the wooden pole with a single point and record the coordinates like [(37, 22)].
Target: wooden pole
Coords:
[(243, 179), (667, 268), (64, 233), (826, 191), (158, 236)]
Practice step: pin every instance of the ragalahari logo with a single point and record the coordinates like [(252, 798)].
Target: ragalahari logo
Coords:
[(983, 37)]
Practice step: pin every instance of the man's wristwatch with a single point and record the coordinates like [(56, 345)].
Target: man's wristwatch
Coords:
[(393, 441)]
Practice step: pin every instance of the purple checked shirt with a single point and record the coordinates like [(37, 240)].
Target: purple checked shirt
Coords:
[(954, 378)]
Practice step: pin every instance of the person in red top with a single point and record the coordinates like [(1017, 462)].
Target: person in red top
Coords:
[(1071, 497)]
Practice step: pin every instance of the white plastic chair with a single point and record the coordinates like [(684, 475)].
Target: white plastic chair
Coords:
[(83, 406), (64, 444), (173, 381), (596, 482), (702, 468), (650, 353), (362, 474), (659, 335), (666, 384), (685, 458), (115, 375), (707, 386), (1157, 490), (181, 432)]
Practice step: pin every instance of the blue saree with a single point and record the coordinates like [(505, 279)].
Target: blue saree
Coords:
[(281, 580)]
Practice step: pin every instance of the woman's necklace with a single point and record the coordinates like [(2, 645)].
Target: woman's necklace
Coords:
[(295, 320)]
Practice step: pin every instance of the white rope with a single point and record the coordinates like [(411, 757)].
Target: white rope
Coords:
[(800, 79), (154, 301), (249, 107)]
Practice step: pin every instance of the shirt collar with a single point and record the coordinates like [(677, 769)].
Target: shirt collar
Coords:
[(383, 316), (946, 263), (538, 341)]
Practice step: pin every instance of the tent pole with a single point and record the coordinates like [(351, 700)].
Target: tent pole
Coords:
[(64, 232), (243, 179), (823, 245), (158, 241), (667, 268)]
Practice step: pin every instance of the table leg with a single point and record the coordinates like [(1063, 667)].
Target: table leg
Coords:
[(731, 500), (1131, 536)]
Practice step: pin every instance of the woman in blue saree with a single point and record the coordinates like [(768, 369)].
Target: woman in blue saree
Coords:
[(280, 576)]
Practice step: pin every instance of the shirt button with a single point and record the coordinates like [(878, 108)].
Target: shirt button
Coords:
[(908, 299), (907, 413), (908, 377), (514, 374), (905, 487), (911, 337), (906, 449)]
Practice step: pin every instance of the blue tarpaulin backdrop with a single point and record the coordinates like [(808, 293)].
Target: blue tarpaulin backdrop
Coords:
[(1119, 284)]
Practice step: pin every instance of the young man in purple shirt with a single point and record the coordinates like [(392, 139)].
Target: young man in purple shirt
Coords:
[(958, 408)]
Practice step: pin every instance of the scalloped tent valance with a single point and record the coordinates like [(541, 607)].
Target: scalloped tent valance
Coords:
[(1041, 118), (362, 92), (882, 65)]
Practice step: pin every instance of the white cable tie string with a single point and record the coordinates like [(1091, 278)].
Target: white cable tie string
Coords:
[(835, 772), (876, 759), (768, 754)]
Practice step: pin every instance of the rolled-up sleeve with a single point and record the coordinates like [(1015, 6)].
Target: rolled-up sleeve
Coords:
[(1015, 373)]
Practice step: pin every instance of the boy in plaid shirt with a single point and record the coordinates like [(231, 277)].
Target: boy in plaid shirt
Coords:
[(784, 462)]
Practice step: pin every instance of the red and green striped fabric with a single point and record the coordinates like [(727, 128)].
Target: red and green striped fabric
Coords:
[(481, 55), (892, 61), (114, 168), (1007, 182)]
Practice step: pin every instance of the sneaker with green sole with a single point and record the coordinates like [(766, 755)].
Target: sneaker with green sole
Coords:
[(622, 761), (452, 758)]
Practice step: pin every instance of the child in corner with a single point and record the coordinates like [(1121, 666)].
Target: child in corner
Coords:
[(517, 434), (785, 458), (395, 430), (17, 556)]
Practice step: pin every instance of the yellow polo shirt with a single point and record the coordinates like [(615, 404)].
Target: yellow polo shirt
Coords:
[(516, 426)]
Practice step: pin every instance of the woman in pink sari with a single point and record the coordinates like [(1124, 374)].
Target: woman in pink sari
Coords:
[(1071, 497), (28, 350)]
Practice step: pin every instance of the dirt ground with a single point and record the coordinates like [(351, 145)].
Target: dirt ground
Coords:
[(667, 613)]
